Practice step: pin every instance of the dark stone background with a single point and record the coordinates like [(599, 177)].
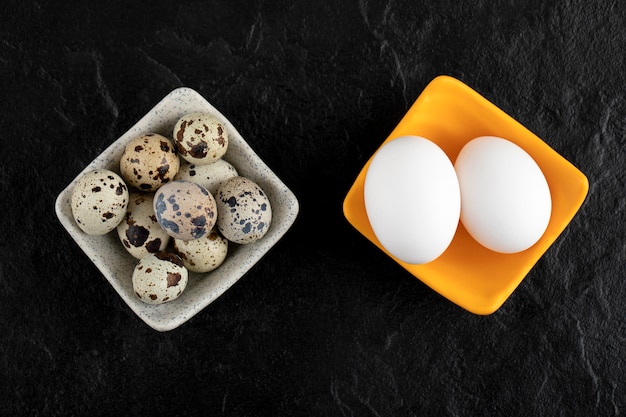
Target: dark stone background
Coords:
[(325, 325)]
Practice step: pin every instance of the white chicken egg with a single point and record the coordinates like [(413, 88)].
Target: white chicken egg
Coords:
[(505, 198), (99, 201), (412, 199)]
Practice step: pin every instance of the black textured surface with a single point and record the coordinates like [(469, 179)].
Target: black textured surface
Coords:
[(325, 325)]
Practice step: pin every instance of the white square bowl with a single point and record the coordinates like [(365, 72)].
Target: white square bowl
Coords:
[(117, 265)]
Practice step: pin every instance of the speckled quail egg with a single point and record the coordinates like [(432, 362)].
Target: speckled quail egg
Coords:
[(185, 210), (204, 254), (99, 201), (200, 138), (140, 232), (159, 277), (209, 176), (245, 210), (149, 161)]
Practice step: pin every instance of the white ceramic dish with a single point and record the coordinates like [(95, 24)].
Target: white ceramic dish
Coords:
[(108, 254)]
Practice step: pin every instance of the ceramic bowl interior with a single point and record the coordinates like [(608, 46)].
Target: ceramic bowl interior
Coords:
[(117, 266), (451, 114)]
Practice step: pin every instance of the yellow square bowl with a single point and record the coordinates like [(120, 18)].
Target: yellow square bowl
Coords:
[(477, 279)]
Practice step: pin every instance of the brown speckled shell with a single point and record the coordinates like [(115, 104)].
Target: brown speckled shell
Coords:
[(200, 138), (99, 201), (140, 232), (149, 161), (204, 254), (159, 277)]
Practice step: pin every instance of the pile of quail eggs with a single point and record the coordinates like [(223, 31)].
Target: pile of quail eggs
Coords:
[(176, 205)]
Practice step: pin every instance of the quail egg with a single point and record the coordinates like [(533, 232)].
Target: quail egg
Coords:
[(99, 201), (159, 277), (204, 254), (140, 232), (245, 210), (200, 138), (209, 176), (185, 210), (149, 161)]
